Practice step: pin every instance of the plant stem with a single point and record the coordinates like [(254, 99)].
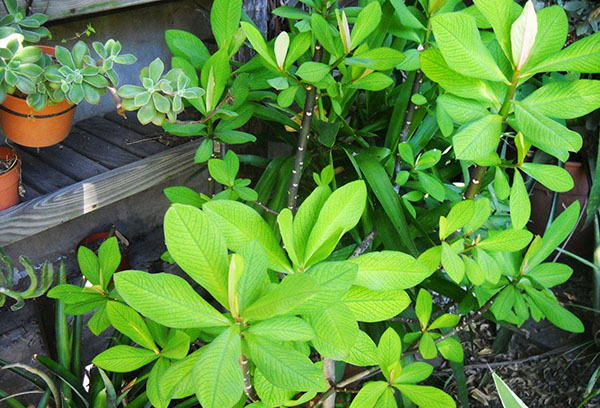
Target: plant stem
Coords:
[(365, 244), (303, 136), (329, 373), (248, 389), (478, 173), (117, 100)]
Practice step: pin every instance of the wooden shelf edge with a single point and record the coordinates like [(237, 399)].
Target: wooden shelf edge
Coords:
[(45, 212)]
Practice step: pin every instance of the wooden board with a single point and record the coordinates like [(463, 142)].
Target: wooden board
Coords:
[(134, 124), (122, 137), (68, 161), (41, 176), (42, 213), (97, 149), (57, 9)]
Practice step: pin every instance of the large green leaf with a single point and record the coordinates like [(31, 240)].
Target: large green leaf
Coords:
[(520, 206), (293, 291), (258, 43), (283, 328), (566, 100), (312, 72), (389, 350), (306, 217), (198, 247), (559, 230), (178, 381), (240, 224), (507, 240), (553, 177), (389, 270), (89, 264), (156, 394), (553, 28), (127, 321), (452, 263), (369, 394), (582, 56), (123, 359), (109, 257), (550, 274), (366, 22), (336, 331), (462, 110), (373, 306), (283, 366), (435, 68), (187, 45), (379, 59), (558, 316), (322, 32), (457, 37), (425, 396), (364, 351), (334, 280), (167, 299), (219, 379), (478, 140), (269, 394), (543, 132), (340, 213), (500, 14), (225, 18), (414, 373)]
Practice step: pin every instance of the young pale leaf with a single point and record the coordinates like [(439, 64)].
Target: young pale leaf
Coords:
[(479, 139), (369, 394), (198, 247), (282, 43), (340, 213), (452, 263), (285, 222), (389, 270), (389, 350), (366, 22), (167, 299), (459, 41), (520, 206), (371, 306), (283, 328), (423, 307), (566, 100), (522, 35), (553, 177), (426, 396), (123, 359), (507, 396), (292, 292), (553, 28), (241, 224), (336, 331), (283, 366), (127, 321), (364, 351), (508, 240), (219, 379)]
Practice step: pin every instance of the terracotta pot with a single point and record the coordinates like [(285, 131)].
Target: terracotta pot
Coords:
[(9, 181), (27, 127)]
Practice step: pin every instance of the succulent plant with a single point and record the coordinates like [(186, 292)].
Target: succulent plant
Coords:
[(19, 68), (161, 96), (17, 20)]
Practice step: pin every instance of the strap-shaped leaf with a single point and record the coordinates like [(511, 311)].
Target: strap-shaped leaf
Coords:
[(198, 247), (283, 366), (168, 300), (240, 224), (218, 376), (460, 43)]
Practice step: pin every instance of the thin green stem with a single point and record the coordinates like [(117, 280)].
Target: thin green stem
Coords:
[(578, 258)]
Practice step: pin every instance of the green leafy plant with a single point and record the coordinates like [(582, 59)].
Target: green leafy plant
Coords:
[(415, 122)]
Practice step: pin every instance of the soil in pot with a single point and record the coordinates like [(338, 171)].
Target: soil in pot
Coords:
[(10, 172), (27, 127)]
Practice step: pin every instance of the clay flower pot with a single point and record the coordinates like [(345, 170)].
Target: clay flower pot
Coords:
[(9, 179), (27, 127)]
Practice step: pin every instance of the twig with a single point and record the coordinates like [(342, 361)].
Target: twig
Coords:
[(329, 373), (267, 209), (248, 388), (303, 136), (117, 100), (365, 244), (227, 99)]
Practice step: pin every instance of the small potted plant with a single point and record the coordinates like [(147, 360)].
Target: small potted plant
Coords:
[(40, 86), (10, 174)]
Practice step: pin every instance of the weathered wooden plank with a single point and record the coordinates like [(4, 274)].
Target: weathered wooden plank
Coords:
[(134, 124), (68, 161), (41, 176), (57, 9), (30, 193), (122, 137), (98, 150), (39, 214)]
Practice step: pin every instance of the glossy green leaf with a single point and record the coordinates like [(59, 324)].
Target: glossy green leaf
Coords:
[(553, 177), (520, 206), (507, 240), (550, 274), (369, 394), (127, 321), (451, 350), (452, 263), (373, 306), (364, 351), (312, 72), (336, 331), (479, 139), (389, 270), (122, 359), (423, 307), (566, 100), (366, 22), (414, 373), (425, 396)]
